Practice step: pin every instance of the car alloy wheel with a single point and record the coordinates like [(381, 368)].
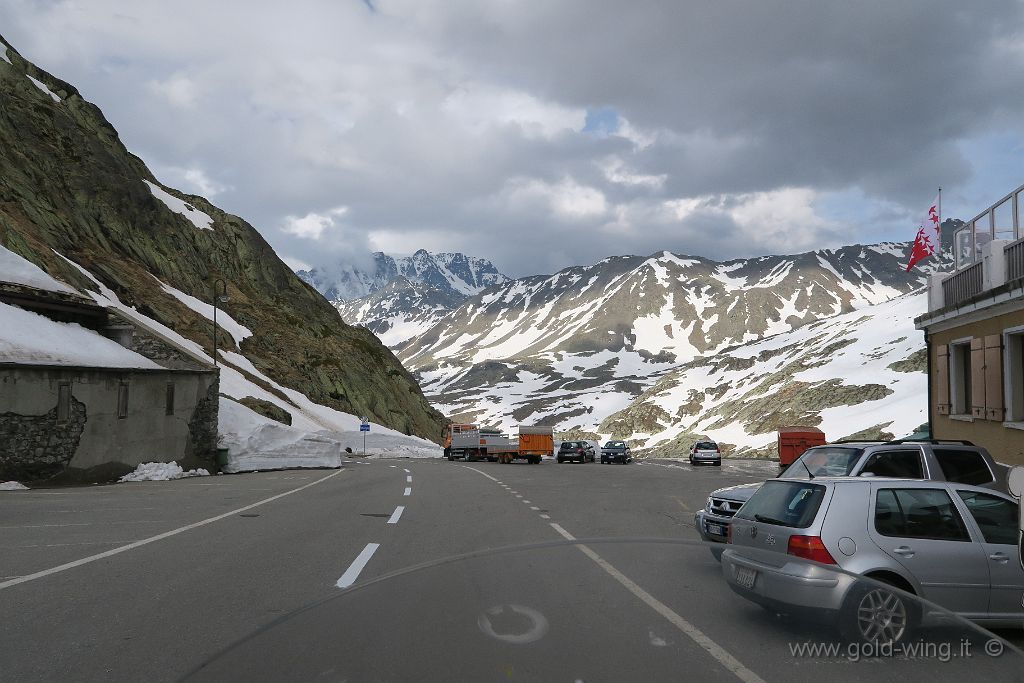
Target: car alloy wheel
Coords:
[(879, 615)]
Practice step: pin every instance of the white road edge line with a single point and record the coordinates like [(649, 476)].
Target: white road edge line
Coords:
[(408, 491), (357, 566), (692, 632), (480, 472), (396, 515), (154, 539)]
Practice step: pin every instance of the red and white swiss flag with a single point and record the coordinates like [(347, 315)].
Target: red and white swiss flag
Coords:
[(929, 236)]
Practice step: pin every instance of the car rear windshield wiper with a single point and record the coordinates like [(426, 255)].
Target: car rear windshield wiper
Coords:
[(769, 520)]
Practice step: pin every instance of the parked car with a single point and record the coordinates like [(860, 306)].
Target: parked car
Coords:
[(705, 453), (616, 451), (950, 544), (956, 461), (575, 450)]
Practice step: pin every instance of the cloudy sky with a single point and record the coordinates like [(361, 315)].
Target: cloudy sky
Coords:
[(543, 134)]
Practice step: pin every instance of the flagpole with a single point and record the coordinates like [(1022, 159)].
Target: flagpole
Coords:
[(940, 221)]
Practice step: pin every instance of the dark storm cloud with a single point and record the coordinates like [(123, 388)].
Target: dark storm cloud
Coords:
[(725, 128)]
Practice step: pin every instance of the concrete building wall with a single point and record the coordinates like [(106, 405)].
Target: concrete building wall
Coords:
[(91, 439), (1004, 438)]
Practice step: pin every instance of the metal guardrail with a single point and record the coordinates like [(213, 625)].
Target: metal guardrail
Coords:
[(1014, 260), (962, 285)]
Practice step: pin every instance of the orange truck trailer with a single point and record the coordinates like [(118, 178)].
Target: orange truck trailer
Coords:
[(534, 444), (793, 441)]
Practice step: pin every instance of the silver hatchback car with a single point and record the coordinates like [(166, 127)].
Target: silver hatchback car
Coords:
[(950, 544)]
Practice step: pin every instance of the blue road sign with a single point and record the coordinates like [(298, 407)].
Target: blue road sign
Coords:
[(364, 428)]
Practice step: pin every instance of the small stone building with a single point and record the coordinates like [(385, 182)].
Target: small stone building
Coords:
[(88, 393)]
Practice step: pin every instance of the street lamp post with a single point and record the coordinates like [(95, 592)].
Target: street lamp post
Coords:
[(222, 297)]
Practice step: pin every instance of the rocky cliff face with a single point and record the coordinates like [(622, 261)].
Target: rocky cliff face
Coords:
[(68, 187)]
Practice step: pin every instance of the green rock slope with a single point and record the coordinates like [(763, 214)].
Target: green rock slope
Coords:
[(68, 184)]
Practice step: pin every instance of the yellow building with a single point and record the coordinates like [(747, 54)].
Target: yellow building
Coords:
[(974, 330)]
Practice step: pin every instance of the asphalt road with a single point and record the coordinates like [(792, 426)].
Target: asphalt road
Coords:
[(406, 570)]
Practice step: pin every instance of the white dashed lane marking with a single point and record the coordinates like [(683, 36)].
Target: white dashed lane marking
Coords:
[(357, 566), (408, 491), (396, 515)]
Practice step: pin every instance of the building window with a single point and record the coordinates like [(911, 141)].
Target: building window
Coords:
[(1013, 376), (122, 400), (960, 377), (170, 399), (63, 401)]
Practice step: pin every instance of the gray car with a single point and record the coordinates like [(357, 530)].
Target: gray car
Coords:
[(956, 461), (949, 544), (705, 453)]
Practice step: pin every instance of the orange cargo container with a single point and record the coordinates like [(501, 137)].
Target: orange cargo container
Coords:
[(534, 444), (793, 441)]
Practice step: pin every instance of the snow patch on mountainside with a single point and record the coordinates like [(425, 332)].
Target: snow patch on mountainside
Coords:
[(193, 215), (851, 354)]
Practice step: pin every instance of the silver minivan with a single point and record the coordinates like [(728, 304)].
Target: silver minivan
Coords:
[(949, 544)]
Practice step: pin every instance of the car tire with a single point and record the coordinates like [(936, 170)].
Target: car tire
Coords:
[(870, 600), (558, 460)]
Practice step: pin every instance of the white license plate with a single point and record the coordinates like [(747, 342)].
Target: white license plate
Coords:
[(717, 530), (745, 576)]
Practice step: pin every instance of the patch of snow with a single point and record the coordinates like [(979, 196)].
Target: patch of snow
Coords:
[(30, 338), (161, 471), (255, 442), (39, 84), (224, 321), (192, 214), (14, 268), (12, 485), (3, 53)]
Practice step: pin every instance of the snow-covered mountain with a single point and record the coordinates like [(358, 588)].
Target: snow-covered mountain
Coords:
[(400, 310), (859, 374), (573, 349), (452, 274), (405, 295)]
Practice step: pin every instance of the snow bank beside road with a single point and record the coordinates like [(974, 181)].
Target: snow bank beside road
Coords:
[(12, 486), (255, 442), (161, 471)]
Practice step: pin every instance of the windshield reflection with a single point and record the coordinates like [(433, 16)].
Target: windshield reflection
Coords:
[(655, 609)]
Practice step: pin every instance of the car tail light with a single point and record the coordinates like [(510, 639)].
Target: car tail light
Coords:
[(810, 548)]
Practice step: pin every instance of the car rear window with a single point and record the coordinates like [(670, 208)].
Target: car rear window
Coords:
[(706, 446), (785, 503), (996, 517), (828, 461), (963, 467)]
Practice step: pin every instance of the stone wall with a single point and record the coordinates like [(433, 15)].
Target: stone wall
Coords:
[(38, 446)]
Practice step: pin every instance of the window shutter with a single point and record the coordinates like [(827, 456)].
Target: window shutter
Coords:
[(978, 378), (994, 377), (942, 379)]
